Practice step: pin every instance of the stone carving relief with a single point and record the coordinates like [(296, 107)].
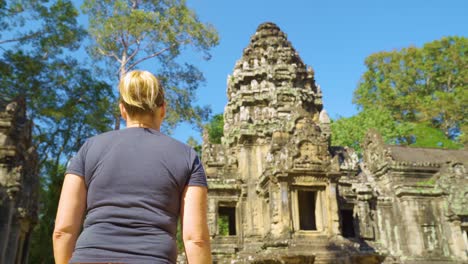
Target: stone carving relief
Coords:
[(308, 155), (453, 180), (375, 155)]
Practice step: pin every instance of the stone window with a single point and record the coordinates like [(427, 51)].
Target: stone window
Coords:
[(227, 221), (309, 208), (347, 223)]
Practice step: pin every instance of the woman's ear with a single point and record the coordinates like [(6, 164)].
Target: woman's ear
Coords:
[(123, 112)]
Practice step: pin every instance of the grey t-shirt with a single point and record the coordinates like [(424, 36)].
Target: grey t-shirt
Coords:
[(135, 178)]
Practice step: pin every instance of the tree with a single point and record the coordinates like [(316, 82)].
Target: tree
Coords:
[(67, 106), (127, 33), (223, 225), (216, 128), (351, 131), (63, 98), (420, 85), (191, 141), (44, 26), (425, 135), (415, 96)]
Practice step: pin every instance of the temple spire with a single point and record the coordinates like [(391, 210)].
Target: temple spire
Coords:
[(269, 85)]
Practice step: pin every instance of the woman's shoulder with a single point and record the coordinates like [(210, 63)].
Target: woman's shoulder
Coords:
[(177, 143), (177, 147), (101, 139), (169, 143), (104, 135)]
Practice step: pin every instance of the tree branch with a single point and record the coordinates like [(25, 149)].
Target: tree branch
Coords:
[(137, 40), (137, 49), (112, 54), (150, 56), (20, 38), (134, 53), (124, 41), (135, 4)]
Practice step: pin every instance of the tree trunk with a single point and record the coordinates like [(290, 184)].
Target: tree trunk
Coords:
[(117, 121), (122, 72)]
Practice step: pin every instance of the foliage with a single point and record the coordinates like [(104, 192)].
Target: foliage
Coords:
[(425, 135), (67, 105), (216, 128), (223, 225), (45, 26), (191, 141), (41, 240), (420, 85), (415, 96), (463, 138), (429, 182), (64, 99), (179, 239), (127, 33), (351, 131)]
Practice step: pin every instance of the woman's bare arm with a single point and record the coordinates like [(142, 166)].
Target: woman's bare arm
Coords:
[(194, 225), (69, 218)]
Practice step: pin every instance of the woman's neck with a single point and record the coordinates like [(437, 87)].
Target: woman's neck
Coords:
[(139, 124), (143, 121)]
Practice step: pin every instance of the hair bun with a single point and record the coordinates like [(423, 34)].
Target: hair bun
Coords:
[(140, 92)]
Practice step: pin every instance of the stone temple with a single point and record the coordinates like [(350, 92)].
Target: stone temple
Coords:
[(280, 193), (19, 183)]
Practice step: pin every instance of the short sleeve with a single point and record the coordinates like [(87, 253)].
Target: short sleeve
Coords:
[(77, 163), (197, 175)]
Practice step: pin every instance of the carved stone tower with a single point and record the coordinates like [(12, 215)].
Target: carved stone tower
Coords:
[(279, 193), (273, 177)]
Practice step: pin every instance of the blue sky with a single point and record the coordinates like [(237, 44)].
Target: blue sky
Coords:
[(334, 37)]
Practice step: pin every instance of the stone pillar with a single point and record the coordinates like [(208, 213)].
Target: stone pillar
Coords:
[(242, 213), (25, 250), (334, 211), (275, 210), (211, 216), (13, 240), (249, 174), (19, 183), (457, 239), (321, 212), (364, 214), (285, 209), (388, 226), (366, 228), (280, 210), (6, 215)]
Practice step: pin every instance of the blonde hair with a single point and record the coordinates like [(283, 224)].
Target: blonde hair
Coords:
[(140, 92)]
